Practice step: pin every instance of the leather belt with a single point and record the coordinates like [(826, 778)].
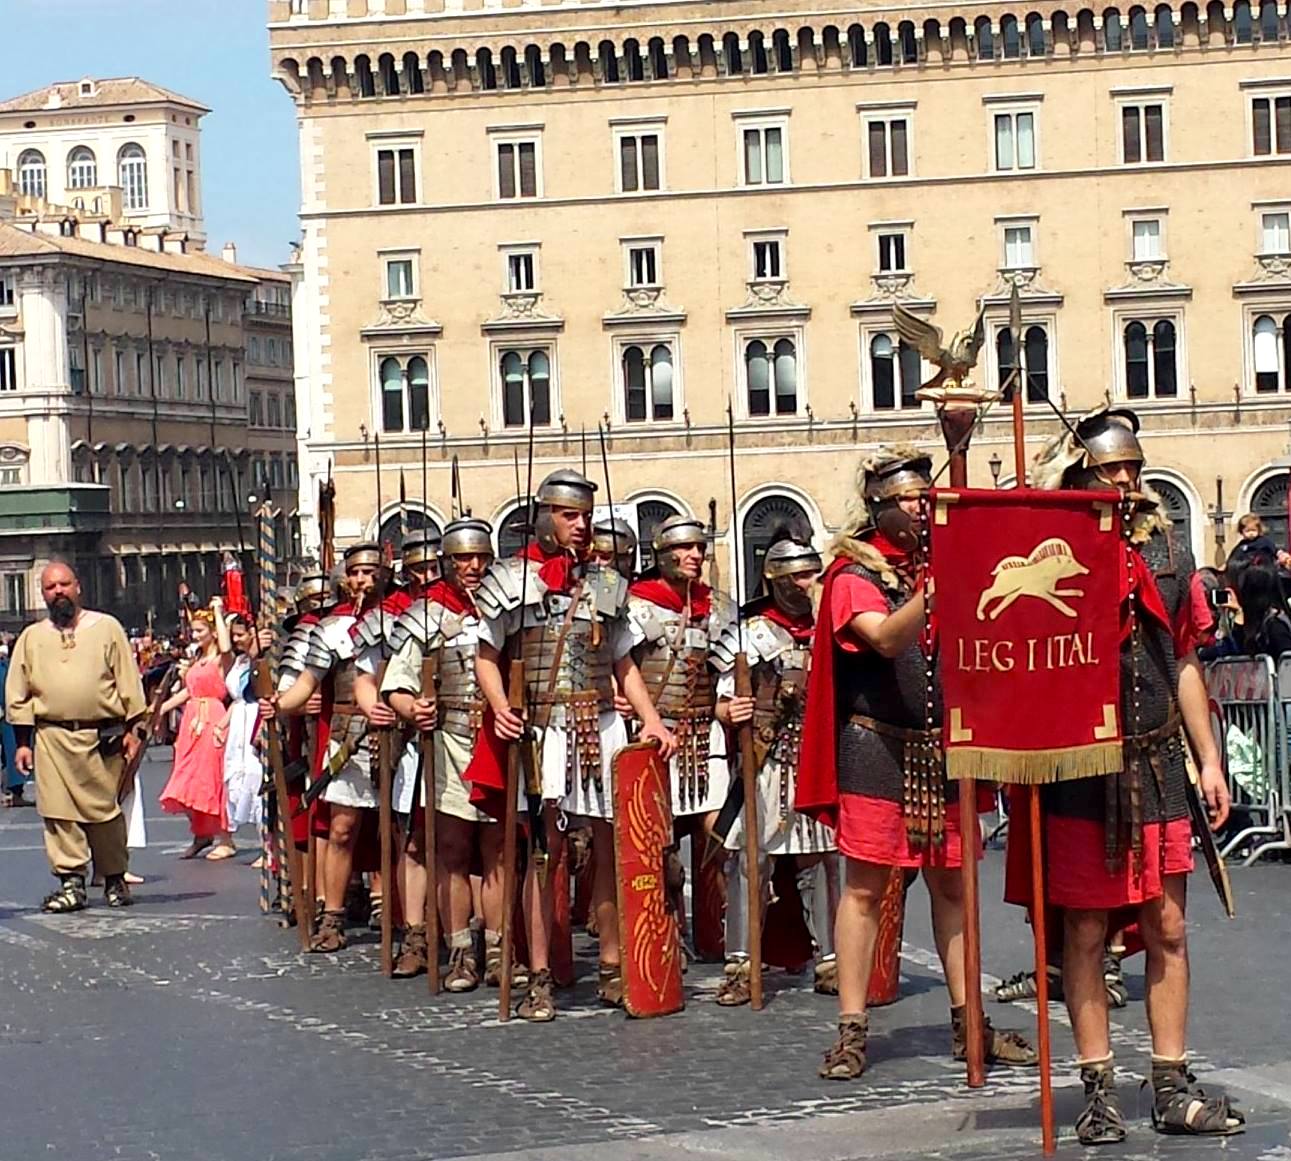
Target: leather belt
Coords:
[(883, 729), (74, 724)]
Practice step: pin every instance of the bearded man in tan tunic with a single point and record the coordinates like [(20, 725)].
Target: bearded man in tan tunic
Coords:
[(74, 696)]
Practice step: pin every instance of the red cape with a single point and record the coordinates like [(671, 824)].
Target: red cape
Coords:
[(659, 592), (443, 593)]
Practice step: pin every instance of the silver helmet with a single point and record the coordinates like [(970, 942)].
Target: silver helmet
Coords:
[(419, 556), (310, 590), (1107, 436), (467, 536), (564, 488), (616, 541), (890, 475), (785, 560), (673, 533)]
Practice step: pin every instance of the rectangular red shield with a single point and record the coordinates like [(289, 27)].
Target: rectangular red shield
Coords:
[(649, 941), (1026, 608)]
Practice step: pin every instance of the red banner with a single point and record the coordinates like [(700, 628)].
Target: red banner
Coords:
[(1026, 597)]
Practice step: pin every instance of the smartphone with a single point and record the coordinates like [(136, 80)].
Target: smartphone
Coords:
[(1220, 598)]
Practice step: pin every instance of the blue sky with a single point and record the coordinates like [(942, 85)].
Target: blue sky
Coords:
[(249, 172)]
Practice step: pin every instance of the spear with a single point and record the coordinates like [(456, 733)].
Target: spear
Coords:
[(748, 766)]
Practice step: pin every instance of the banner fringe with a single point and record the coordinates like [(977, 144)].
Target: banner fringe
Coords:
[(1034, 767)]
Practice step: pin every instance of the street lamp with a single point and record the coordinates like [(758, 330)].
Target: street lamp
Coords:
[(995, 464), (180, 505)]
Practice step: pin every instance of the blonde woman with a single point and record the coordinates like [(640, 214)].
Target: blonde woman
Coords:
[(196, 785)]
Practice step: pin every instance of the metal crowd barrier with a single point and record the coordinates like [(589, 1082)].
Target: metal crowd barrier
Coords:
[(1253, 699)]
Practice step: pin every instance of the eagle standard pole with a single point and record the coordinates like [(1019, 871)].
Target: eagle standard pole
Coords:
[(1036, 821)]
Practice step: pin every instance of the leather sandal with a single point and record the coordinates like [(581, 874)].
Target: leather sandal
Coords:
[(734, 991), (826, 983), (1001, 1047), (1101, 1121), (609, 988), (116, 893), (539, 1003), (412, 959), (68, 896), (463, 971), (1023, 987), (846, 1059), (1181, 1107), (331, 933)]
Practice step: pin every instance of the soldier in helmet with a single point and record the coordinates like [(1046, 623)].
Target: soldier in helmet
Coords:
[(443, 625), (777, 640), (615, 543), (565, 619), (877, 776), (684, 636), (330, 668), (1102, 859), (419, 560)]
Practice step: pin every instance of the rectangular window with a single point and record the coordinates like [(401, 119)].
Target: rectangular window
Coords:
[(522, 272), (1275, 233), (179, 376), (255, 410), (638, 162), (888, 147), (764, 153), (274, 409), (76, 371), (140, 371), (96, 372), (1019, 252), (119, 372), (643, 266), (217, 382), (8, 369), (6, 292), (399, 280), (1142, 133), (15, 592), (891, 253), (766, 260), (517, 169), (1014, 141), (161, 376), (1147, 239), (201, 377), (289, 412), (396, 176), (1271, 125)]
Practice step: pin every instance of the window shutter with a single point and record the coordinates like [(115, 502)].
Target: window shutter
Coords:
[(506, 171), (407, 177), (1130, 133), (900, 161), (1261, 124), (650, 161), (1282, 108), (1154, 130), (528, 170), (878, 149), (385, 176), (628, 163)]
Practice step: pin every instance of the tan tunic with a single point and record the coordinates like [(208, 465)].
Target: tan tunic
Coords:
[(96, 679)]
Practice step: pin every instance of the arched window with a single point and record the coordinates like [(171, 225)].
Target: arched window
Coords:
[(1242, 25), (389, 75), (757, 54), (731, 50), (609, 62), (761, 522), (418, 394), (511, 531), (391, 395), (399, 525), (894, 374), (533, 62), (1265, 346), (1165, 26), (484, 67), (1138, 29), (771, 372), (647, 382), (856, 46), (510, 68), (1136, 361), (1035, 362), (1009, 36), (1269, 503), (786, 378), (412, 73), (984, 37), (82, 169), (909, 45), (783, 51), (31, 173), (882, 44), (1163, 360), (1112, 30), (1035, 35), (650, 514), (363, 73), (132, 176), (526, 383), (1269, 20), (1174, 501), (658, 60)]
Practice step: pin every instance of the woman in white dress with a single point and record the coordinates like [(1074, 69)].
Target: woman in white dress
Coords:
[(243, 769)]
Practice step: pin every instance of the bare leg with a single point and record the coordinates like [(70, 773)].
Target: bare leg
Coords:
[(342, 836), (491, 884), (412, 880), (454, 840), (605, 891), (1164, 926), (1082, 980), (946, 888), (540, 905), (856, 931)]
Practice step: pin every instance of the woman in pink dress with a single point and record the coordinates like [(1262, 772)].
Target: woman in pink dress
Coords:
[(196, 785)]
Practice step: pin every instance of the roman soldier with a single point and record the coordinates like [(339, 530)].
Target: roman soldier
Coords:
[(1121, 843), (684, 637), (614, 543), (330, 667), (419, 560), (563, 618), (777, 637), (871, 764), (443, 626)]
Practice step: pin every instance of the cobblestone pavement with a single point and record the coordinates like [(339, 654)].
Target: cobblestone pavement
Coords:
[(190, 1027)]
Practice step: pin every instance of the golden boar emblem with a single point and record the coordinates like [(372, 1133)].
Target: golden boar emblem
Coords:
[(1038, 575)]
